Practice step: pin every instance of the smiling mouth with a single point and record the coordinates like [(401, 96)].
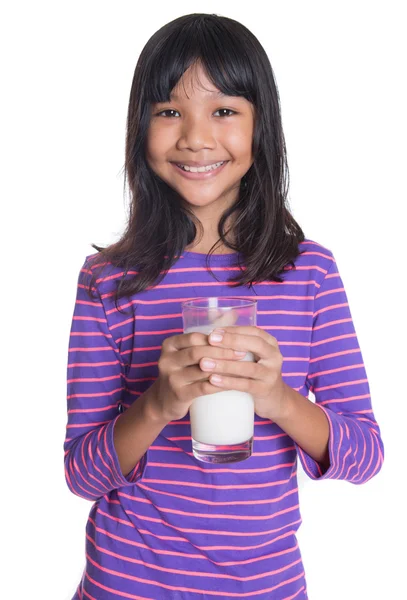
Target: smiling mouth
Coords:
[(205, 169), (200, 173)]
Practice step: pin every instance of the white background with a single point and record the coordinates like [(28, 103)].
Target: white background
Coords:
[(66, 77)]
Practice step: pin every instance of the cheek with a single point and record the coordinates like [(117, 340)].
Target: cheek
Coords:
[(156, 144), (240, 143)]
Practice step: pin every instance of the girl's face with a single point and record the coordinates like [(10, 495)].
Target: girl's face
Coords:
[(200, 127)]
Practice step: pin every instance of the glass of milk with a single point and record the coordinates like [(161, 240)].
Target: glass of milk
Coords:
[(222, 424)]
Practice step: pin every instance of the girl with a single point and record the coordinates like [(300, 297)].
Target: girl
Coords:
[(206, 165)]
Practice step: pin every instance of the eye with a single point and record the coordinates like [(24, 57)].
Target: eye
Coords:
[(220, 110), (227, 110), (166, 111)]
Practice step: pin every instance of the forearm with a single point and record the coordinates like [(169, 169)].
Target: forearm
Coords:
[(306, 424), (135, 431)]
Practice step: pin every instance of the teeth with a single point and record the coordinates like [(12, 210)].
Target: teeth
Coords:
[(201, 169)]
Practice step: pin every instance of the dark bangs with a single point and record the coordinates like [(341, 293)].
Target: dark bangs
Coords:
[(224, 58)]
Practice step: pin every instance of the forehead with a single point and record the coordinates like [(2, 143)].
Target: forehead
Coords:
[(195, 81), (211, 95)]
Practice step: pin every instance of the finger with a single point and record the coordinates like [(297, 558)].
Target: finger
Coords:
[(193, 374), (200, 388), (253, 330), (192, 355), (240, 384), (192, 383), (249, 370), (184, 340), (243, 342)]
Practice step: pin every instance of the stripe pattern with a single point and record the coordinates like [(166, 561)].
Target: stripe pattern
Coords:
[(176, 528)]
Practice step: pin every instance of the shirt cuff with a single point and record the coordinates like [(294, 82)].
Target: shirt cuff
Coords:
[(311, 467), (135, 474)]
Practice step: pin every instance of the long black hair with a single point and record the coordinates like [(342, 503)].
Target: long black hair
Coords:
[(159, 226)]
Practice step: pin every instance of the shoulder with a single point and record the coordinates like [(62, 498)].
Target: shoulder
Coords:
[(101, 273), (315, 254)]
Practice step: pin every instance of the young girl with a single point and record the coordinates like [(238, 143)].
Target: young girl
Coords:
[(206, 165)]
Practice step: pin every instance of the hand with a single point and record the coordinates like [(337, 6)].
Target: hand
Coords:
[(262, 379), (180, 378)]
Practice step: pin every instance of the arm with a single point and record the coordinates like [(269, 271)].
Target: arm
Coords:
[(136, 429), (337, 377), (94, 389), (306, 424)]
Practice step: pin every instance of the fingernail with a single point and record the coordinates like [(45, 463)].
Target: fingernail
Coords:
[(208, 364), (239, 353), (216, 378), (217, 335)]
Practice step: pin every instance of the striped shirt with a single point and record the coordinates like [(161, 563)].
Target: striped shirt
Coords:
[(174, 527)]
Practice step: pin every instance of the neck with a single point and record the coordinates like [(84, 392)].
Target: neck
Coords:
[(209, 217), (209, 238), (204, 246)]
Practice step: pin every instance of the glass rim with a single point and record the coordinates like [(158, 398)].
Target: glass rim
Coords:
[(245, 303)]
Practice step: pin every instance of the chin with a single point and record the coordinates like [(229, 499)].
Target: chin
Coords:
[(198, 197), (198, 201)]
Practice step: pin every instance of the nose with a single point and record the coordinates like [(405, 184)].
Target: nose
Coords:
[(196, 133)]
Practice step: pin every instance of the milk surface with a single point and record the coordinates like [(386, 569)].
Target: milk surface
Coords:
[(223, 418)]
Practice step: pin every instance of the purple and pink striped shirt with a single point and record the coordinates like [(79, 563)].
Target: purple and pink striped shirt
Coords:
[(176, 528)]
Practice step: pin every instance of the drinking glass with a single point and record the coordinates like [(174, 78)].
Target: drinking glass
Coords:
[(222, 424)]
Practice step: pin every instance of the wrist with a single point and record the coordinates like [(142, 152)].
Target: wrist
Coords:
[(152, 410), (284, 406)]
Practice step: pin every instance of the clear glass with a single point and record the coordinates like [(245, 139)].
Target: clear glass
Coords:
[(222, 424)]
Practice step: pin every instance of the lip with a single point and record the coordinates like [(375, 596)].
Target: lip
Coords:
[(207, 175), (198, 163)]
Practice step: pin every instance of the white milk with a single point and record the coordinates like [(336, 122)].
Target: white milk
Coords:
[(225, 417)]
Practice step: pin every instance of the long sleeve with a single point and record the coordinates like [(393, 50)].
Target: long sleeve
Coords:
[(95, 384), (338, 380)]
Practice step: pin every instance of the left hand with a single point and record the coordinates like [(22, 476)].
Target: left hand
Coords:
[(262, 379)]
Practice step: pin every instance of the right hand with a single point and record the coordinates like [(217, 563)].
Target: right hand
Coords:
[(180, 378)]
